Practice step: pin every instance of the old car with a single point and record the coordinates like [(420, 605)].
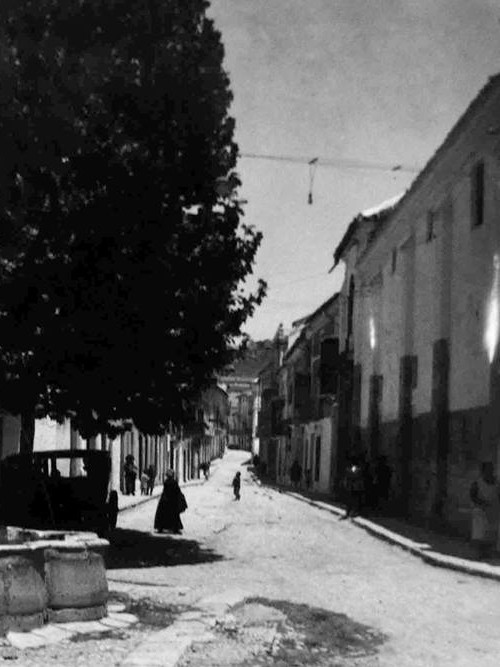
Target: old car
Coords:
[(58, 489)]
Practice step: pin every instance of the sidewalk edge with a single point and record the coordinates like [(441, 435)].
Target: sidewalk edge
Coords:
[(427, 555)]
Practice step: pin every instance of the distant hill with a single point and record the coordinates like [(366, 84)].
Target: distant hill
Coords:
[(257, 355)]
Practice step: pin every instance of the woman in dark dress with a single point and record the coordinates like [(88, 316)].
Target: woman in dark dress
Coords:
[(167, 515)]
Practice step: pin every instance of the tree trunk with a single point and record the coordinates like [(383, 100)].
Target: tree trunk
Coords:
[(27, 432)]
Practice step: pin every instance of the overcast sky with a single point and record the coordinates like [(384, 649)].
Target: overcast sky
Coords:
[(373, 80)]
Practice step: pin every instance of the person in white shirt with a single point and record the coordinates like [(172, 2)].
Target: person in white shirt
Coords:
[(485, 497)]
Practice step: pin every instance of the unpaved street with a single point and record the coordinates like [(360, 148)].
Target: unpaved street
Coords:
[(275, 547)]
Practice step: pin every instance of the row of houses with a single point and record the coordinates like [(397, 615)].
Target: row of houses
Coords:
[(403, 361), (240, 380), (182, 449)]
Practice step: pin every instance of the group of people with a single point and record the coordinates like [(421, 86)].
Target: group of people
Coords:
[(368, 488), (366, 485), (296, 476), (130, 472)]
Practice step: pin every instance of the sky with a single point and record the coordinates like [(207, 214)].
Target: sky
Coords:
[(378, 81)]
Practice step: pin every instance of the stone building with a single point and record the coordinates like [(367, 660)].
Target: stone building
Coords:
[(214, 404), (293, 388), (320, 427), (299, 415), (240, 380), (309, 386), (425, 311), (270, 406), (352, 246)]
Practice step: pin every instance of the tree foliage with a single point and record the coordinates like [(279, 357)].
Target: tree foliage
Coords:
[(122, 253)]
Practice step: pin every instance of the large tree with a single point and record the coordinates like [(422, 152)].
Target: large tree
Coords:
[(121, 247)]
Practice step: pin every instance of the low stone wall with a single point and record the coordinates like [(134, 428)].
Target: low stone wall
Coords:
[(50, 576)]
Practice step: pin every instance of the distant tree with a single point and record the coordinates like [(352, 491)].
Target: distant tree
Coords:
[(122, 255)]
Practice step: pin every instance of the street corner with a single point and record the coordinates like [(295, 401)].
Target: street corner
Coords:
[(166, 647), (261, 631)]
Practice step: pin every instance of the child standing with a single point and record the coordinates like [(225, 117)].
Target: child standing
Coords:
[(237, 485), (144, 484)]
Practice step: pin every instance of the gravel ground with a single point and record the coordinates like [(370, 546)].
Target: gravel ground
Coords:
[(103, 650), (107, 649), (262, 632), (328, 575), (273, 546)]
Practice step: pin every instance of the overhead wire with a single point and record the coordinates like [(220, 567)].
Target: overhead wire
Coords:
[(365, 288), (301, 280), (336, 163)]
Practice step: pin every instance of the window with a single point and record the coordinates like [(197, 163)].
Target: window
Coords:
[(328, 373), (394, 260), (477, 195), (430, 233), (350, 307), (315, 345), (414, 372), (317, 461)]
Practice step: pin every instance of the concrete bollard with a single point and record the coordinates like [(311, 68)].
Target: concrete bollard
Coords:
[(23, 596), (75, 580)]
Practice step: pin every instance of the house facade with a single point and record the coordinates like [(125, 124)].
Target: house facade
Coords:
[(353, 245), (320, 428), (181, 449), (215, 406), (299, 402), (242, 392), (270, 407), (425, 323)]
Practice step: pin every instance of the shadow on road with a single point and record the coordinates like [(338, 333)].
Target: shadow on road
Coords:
[(320, 637), (137, 549), (260, 632)]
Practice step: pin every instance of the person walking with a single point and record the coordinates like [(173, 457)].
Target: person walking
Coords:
[(151, 474), (369, 499), (170, 506), (130, 474), (354, 487), (295, 474), (485, 497), (237, 486), (383, 476)]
